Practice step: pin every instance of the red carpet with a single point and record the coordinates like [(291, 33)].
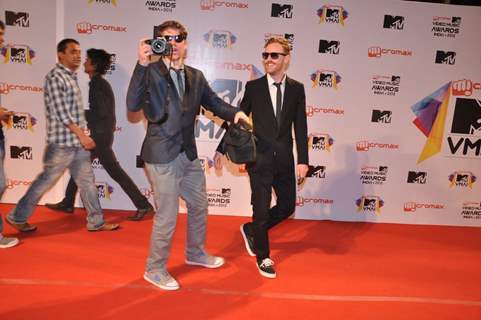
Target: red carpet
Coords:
[(326, 270)]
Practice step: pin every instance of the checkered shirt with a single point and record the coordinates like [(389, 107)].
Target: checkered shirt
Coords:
[(63, 103)]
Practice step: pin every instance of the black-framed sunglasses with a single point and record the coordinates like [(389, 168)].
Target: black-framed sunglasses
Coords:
[(274, 55), (177, 38)]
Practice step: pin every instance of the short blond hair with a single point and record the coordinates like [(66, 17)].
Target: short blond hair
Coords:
[(282, 41)]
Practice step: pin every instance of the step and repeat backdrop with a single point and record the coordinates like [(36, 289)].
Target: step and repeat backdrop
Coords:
[(393, 98)]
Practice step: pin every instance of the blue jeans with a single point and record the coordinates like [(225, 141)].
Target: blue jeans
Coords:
[(56, 159), (184, 178), (3, 182)]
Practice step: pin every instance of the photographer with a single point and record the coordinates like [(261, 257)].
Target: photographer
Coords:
[(170, 95)]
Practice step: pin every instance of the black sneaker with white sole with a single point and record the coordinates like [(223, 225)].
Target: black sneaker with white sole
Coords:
[(248, 240), (266, 268)]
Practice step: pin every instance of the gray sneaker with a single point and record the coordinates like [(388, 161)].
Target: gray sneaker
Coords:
[(161, 279), (8, 242), (207, 261)]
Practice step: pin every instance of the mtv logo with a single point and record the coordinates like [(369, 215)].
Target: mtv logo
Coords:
[(369, 204), (467, 117), (227, 89), (333, 15), (395, 80), (383, 170), (316, 172), (445, 57), (289, 37), (417, 177), (282, 10), (393, 22), (462, 179), (381, 116), (226, 192), (21, 19), (20, 121), (456, 21), (326, 46), (18, 54), (326, 79), (220, 40), (24, 153)]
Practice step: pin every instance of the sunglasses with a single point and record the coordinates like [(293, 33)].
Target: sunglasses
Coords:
[(177, 38), (274, 55)]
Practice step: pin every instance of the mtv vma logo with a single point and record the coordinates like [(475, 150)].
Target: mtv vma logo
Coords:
[(418, 177), (160, 6), (464, 140), (316, 172), (325, 78), (369, 204), (393, 22), (445, 57), (282, 10), (220, 39), (104, 190), (447, 27), (219, 198), (332, 14), (331, 47), (462, 179), (320, 141), (21, 121), (24, 153), (112, 2), (374, 175), (15, 53), (381, 116), (385, 85), (96, 164), (206, 163), (19, 19)]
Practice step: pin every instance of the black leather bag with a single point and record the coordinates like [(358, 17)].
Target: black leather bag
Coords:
[(240, 143)]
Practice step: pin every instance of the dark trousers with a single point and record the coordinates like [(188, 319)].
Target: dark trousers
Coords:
[(103, 151), (270, 175)]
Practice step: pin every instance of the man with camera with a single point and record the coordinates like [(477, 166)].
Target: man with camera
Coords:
[(170, 94), (277, 103)]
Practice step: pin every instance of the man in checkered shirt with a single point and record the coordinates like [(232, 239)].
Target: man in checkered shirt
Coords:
[(67, 144)]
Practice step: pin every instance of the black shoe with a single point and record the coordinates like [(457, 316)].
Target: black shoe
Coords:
[(61, 206), (266, 268), (248, 240), (140, 213)]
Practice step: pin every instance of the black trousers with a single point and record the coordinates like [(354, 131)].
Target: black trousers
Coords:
[(103, 151), (265, 176)]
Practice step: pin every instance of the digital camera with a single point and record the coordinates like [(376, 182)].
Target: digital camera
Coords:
[(160, 46)]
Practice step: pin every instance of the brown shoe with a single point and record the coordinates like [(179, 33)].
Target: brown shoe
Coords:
[(106, 227), (22, 227), (140, 213)]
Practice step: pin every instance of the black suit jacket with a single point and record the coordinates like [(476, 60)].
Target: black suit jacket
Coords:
[(171, 119), (101, 113), (272, 139)]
